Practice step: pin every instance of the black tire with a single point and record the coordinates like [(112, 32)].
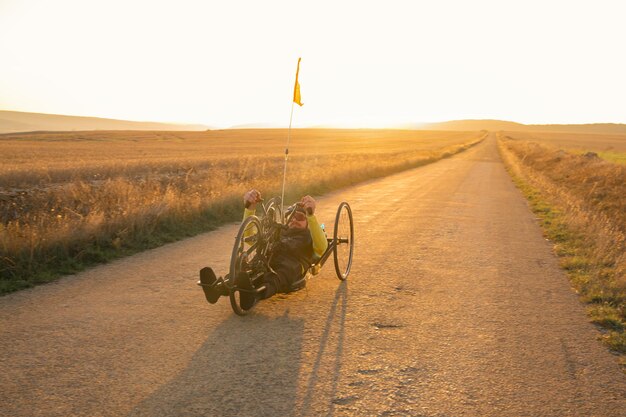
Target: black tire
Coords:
[(343, 241), (245, 252)]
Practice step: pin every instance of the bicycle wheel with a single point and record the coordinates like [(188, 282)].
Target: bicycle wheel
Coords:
[(272, 217), (343, 241), (249, 245), (273, 209)]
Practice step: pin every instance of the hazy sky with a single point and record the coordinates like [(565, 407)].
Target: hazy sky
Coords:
[(364, 63)]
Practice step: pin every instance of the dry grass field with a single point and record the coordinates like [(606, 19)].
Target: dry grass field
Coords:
[(609, 147), (581, 200), (70, 199)]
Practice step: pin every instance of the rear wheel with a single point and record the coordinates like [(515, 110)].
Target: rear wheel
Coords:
[(247, 252), (343, 241)]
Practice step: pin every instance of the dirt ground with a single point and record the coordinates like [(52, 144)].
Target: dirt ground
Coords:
[(455, 306)]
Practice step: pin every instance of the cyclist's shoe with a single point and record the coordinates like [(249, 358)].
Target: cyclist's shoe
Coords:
[(298, 285), (248, 297), (212, 287)]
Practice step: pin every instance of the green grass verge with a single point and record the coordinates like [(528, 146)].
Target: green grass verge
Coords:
[(611, 156), (615, 157), (587, 278)]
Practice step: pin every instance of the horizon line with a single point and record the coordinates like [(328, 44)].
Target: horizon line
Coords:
[(267, 125)]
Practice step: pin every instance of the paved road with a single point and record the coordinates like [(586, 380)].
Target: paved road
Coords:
[(455, 307)]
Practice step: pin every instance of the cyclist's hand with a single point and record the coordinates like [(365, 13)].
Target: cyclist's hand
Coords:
[(309, 204), (251, 198)]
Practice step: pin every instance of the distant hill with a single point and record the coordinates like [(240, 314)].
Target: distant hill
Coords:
[(256, 126), (497, 125), (14, 121)]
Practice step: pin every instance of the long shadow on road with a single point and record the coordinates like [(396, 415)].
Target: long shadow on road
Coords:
[(249, 366), (340, 295)]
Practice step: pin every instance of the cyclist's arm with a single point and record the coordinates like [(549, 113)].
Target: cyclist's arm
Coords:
[(250, 199), (247, 213), (317, 234)]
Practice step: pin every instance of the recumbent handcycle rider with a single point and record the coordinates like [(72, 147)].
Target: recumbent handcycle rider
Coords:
[(303, 239)]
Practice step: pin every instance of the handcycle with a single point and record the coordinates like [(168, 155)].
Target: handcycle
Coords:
[(258, 237)]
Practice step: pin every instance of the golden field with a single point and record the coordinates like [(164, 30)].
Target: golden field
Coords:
[(608, 146), (581, 200), (69, 199), (580, 141)]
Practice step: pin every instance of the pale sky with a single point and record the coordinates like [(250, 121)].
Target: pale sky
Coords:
[(364, 63)]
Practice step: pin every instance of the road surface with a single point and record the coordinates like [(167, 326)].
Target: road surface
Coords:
[(455, 306)]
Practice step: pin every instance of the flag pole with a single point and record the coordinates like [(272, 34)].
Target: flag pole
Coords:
[(296, 99), (282, 196)]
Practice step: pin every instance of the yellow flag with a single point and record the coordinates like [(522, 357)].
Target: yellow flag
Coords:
[(296, 89)]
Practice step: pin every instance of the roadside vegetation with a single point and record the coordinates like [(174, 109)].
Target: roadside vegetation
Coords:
[(581, 202), (616, 157), (73, 199)]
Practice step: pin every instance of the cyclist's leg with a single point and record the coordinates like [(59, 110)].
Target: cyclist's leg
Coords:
[(272, 284), (281, 278)]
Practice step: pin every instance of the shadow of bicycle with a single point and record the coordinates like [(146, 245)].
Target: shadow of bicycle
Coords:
[(246, 367), (250, 367), (326, 389)]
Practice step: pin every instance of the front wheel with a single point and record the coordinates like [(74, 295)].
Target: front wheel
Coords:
[(343, 241), (272, 217), (246, 254)]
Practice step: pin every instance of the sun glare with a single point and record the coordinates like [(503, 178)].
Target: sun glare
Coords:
[(364, 64)]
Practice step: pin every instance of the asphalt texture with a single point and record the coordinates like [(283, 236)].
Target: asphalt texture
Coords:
[(455, 306)]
